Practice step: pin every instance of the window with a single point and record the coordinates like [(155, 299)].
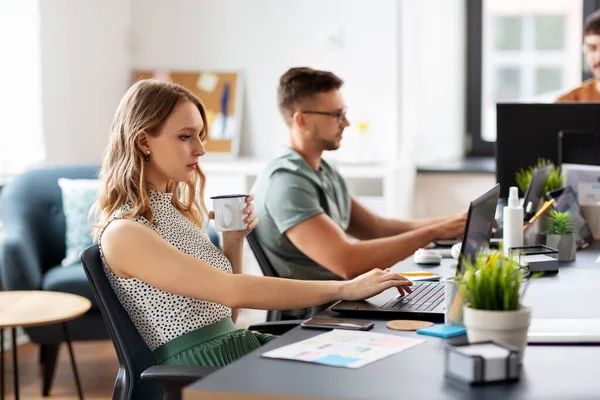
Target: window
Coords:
[(519, 50), (21, 142)]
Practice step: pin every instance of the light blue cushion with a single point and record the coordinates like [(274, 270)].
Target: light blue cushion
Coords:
[(78, 197)]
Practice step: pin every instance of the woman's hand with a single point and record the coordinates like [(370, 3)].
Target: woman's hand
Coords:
[(251, 220), (374, 282)]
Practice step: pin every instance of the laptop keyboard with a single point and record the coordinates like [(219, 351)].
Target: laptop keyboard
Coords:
[(425, 297)]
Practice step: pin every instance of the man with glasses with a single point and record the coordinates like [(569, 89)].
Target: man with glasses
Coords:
[(590, 89), (303, 203)]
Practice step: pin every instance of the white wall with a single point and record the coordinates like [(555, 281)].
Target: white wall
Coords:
[(21, 139), (403, 63), (263, 38), (85, 71), (440, 72), (431, 84)]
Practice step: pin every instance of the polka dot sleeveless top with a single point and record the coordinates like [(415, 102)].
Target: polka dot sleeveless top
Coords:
[(160, 316)]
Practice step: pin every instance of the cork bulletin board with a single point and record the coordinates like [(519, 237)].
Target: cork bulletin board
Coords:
[(221, 94)]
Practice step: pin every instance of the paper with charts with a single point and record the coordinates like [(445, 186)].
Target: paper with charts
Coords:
[(342, 348)]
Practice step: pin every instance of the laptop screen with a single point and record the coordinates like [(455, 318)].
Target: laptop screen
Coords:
[(535, 190), (478, 228)]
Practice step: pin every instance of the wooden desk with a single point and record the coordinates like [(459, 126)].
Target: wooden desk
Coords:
[(549, 372), (35, 308)]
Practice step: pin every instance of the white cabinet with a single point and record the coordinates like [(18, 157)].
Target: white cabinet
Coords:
[(440, 194), (386, 189)]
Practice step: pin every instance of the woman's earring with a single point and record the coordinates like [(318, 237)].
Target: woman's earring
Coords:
[(147, 156)]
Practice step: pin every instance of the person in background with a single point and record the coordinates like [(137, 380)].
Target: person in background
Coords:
[(590, 89), (180, 291), (306, 212)]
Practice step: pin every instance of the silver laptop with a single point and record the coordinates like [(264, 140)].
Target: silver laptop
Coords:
[(584, 178), (426, 302)]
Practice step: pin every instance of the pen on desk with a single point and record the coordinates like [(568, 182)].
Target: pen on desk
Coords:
[(416, 273), (538, 214)]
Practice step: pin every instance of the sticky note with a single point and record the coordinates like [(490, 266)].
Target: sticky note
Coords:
[(443, 331)]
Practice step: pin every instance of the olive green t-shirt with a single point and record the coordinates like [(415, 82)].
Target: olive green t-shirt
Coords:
[(288, 192)]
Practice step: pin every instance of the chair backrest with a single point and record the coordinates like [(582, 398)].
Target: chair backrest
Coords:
[(261, 257), (134, 356), (267, 270), (31, 209)]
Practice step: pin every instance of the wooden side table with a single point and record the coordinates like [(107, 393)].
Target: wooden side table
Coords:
[(34, 308)]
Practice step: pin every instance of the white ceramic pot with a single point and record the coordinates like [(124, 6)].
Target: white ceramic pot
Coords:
[(509, 327)]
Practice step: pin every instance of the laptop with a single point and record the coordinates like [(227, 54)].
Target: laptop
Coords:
[(585, 181), (547, 331), (426, 302), (535, 191)]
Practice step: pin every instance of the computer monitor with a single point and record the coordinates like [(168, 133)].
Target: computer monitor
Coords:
[(579, 147), (528, 131)]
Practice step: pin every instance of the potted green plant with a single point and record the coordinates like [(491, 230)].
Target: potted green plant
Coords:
[(560, 234), (493, 288)]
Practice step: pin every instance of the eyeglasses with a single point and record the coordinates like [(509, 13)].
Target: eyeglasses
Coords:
[(590, 49), (340, 115)]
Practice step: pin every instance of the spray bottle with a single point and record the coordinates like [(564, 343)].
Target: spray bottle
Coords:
[(513, 221)]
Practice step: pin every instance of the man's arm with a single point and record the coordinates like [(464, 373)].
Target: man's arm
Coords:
[(364, 224), (321, 239)]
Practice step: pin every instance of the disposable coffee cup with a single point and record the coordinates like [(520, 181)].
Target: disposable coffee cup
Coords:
[(229, 212)]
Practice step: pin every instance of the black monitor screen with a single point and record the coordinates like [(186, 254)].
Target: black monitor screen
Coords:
[(528, 131), (579, 147)]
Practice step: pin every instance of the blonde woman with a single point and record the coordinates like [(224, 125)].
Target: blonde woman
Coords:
[(180, 291)]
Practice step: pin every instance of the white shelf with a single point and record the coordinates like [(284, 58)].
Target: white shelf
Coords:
[(249, 166), (238, 176), (252, 166)]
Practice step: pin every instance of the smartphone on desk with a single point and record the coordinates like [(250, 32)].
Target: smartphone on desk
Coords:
[(330, 323)]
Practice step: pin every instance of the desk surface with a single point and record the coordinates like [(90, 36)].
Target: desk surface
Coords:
[(549, 371)]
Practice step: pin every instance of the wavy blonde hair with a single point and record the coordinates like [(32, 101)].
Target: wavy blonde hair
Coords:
[(145, 107)]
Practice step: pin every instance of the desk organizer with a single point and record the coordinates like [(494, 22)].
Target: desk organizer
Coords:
[(482, 362), (536, 258)]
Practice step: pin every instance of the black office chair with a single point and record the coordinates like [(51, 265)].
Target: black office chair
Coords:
[(139, 376), (268, 270)]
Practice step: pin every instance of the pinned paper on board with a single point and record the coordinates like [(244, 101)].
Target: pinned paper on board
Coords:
[(221, 94), (162, 75), (207, 82)]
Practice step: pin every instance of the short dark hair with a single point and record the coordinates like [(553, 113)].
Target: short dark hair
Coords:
[(301, 83), (591, 26)]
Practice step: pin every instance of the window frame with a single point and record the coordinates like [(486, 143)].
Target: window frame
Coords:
[(475, 145)]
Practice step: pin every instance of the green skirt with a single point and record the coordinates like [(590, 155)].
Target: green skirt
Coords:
[(214, 345)]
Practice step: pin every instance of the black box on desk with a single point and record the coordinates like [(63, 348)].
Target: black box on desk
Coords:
[(536, 258), (483, 362)]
